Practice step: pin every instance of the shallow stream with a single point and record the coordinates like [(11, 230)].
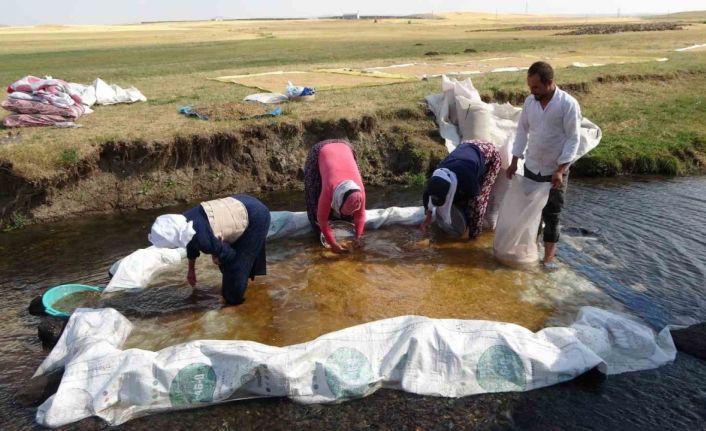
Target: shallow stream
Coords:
[(634, 246)]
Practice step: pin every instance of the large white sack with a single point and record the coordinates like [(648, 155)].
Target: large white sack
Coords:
[(436, 357), (110, 94), (87, 92), (288, 224), (444, 108), (439, 104), (90, 329), (137, 269), (474, 119), (402, 216), (624, 344), (518, 223), (505, 111), (502, 183), (492, 212), (591, 136), (101, 93), (504, 128), (463, 88)]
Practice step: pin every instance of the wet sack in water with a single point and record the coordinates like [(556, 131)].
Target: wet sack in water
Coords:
[(518, 222)]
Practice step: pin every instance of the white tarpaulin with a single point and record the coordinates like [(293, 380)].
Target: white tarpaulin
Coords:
[(689, 48), (102, 93), (137, 269), (435, 357), (267, 98)]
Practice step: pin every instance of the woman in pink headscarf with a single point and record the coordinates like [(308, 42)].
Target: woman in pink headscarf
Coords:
[(334, 189)]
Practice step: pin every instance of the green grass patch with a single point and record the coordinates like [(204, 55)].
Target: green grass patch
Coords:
[(415, 179), (646, 126), (16, 221), (68, 157)]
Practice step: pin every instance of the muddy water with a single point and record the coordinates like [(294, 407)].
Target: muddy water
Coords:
[(311, 291), (69, 303), (636, 263)]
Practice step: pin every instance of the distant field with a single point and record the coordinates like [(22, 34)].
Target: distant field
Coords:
[(650, 125), (697, 15)]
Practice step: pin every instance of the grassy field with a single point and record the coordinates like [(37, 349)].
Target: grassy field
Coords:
[(652, 117)]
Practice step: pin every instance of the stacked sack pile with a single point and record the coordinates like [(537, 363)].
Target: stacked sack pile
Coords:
[(42, 102)]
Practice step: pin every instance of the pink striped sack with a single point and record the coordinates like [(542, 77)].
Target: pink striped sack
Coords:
[(29, 107)]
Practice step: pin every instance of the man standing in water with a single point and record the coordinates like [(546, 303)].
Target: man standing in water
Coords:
[(548, 136)]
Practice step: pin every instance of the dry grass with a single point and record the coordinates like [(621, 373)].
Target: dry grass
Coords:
[(488, 65), (171, 63)]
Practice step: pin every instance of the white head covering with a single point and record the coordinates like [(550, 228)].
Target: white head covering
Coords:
[(171, 231), (444, 211), (340, 192)]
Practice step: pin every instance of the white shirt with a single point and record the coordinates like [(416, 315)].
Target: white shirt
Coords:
[(554, 133)]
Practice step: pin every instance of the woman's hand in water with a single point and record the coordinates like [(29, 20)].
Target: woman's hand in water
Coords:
[(191, 274), (424, 227), (191, 277), (338, 248), (358, 243)]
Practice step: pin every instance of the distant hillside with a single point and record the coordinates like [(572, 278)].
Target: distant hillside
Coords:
[(692, 15)]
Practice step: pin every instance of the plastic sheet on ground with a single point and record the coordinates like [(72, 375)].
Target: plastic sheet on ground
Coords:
[(499, 65), (692, 48), (434, 357), (509, 69), (137, 269), (267, 98), (320, 79), (581, 64)]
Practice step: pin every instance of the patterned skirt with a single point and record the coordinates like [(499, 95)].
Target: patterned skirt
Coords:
[(477, 206)]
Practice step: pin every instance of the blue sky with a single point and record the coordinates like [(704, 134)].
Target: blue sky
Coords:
[(25, 12)]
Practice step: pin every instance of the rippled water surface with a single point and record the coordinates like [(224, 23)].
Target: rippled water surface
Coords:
[(632, 246)]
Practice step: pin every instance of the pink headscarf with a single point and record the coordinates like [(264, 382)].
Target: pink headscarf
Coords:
[(353, 203)]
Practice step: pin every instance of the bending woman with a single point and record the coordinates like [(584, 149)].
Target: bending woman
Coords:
[(232, 230), (334, 189), (464, 179)]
